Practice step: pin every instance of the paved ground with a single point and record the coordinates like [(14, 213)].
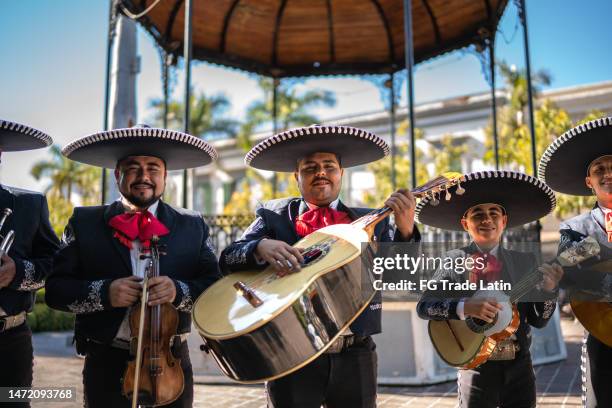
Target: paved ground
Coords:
[(558, 383)]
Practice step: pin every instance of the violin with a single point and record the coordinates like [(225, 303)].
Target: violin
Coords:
[(155, 376)]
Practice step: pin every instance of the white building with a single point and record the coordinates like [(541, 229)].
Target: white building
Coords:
[(464, 117)]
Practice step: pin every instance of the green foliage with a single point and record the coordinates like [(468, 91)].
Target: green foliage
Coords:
[(43, 318), (514, 136), (60, 212), (206, 119), (292, 111), (382, 169), (448, 156)]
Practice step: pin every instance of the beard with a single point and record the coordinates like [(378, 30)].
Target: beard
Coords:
[(141, 202)]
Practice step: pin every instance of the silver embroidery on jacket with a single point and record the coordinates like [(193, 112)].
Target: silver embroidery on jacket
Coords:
[(549, 308), (68, 236), (238, 256), (93, 302), (29, 282), (439, 309), (186, 302)]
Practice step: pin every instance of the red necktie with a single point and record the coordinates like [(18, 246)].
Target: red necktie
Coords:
[(491, 272), (319, 217), (141, 225), (609, 225)]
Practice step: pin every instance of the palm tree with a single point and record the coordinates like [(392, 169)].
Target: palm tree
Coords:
[(292, 109), (67, 176), (206, 117)]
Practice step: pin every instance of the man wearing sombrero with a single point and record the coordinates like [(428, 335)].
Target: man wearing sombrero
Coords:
[(28, 262), (579, 162), (492, 202), (97, 273), (344, 376)]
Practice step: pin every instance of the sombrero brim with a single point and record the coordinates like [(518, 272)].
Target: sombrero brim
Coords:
[(525, 199), (178, 150), (565, 162), (16, 137), (282, 151)]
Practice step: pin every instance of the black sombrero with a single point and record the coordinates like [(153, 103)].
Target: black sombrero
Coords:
[(565, 162), (282, 151), (179, 150), (524, 197), (16, 137)]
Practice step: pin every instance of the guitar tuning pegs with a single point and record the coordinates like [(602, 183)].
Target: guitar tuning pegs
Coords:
[(460, 190), (447, 196)]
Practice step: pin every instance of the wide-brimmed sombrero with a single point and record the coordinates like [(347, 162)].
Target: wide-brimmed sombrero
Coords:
[(565, 162), (525, 199), (16, 137), (282, 151), (179, 150)]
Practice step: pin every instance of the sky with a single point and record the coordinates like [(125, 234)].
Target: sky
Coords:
[(53, 56)]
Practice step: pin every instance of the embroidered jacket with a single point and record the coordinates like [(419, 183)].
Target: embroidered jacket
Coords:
[(276, 220), (575, 229), (32, 250), (443, 306), (91, 258)]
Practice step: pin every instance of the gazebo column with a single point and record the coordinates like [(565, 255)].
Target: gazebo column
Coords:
[(523, 18), (409, 55), (187, 60), (112, 25)]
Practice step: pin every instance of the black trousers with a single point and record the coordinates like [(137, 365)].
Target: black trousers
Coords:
[(334, 380), (104, 369), (506, 384), (598, 376), (17, 357)]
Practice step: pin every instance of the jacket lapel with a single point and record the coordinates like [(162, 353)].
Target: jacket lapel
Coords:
[(166, 215), (508, 267), (112, 210)]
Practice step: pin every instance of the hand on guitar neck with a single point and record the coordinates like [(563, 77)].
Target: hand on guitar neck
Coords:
[(403, 204), (551, 275)]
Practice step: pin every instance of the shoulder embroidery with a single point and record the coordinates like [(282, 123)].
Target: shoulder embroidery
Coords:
[(93, 302), (29, 282), (186, 302), (255, 226)]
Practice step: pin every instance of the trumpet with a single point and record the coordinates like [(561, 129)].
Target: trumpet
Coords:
[(5, 240)]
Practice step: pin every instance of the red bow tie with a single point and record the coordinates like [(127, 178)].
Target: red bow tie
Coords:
[(609, 225), (141, 225), (491, 272), (319, 217)]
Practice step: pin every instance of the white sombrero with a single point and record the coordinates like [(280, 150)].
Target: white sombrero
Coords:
[(282, 151), (16, 137), (179, 150)]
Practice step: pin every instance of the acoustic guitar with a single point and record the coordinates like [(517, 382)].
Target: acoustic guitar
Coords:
[(259, 326), (469, 343), (595, 314)]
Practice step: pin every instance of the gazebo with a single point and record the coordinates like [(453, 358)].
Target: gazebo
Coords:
[(298, 38)]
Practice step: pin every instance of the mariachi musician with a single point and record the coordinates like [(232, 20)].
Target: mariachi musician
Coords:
[(579, 163), (492, 202), (26, 264), (98, 271), (345, 375)]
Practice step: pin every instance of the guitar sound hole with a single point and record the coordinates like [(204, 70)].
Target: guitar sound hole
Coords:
[(311, 255)]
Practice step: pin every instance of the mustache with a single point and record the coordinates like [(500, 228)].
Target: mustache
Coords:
[(144, 183), (320, 179)]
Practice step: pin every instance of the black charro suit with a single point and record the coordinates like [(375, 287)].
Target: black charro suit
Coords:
[(91, 258), (596, 355), (509, 383), (344, 379), (32, 250)]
